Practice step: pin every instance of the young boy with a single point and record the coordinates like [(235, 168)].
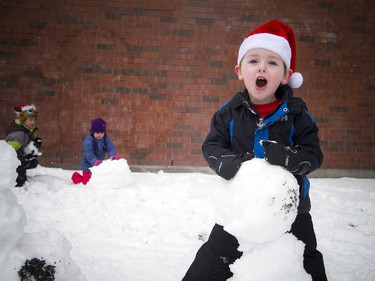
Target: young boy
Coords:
[(96, 144), (263, 121), (21, 135)]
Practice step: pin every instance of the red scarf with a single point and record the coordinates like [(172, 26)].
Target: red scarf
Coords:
[(265, 109)]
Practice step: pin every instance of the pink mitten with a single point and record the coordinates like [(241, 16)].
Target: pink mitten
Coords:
[(98, 162), (115, 157)]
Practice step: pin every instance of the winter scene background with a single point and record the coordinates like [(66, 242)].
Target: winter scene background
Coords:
[(133, 226)]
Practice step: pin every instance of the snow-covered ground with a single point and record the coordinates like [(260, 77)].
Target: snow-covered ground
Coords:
[(148, 226)]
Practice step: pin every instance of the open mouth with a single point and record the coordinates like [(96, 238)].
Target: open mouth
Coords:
[(261, 82)]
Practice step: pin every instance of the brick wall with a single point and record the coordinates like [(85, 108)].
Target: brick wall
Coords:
[(156, 71)]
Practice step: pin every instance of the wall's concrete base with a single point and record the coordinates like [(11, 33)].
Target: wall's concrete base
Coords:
[(320, 173), (336, 173)]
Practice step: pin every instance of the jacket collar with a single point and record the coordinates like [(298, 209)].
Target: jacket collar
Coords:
[(284, 93)]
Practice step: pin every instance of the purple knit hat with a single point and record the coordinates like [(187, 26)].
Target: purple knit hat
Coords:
[(98, 126)]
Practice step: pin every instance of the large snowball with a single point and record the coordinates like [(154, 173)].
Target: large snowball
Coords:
[(111, 174), (260, 203)]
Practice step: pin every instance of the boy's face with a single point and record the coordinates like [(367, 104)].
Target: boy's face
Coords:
[(30, 122), (262, 72)]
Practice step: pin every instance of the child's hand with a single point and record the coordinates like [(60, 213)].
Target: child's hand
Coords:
[(115, 157), (247, 156), (31, 150), (226, 165), (38, 142), (98, 162), (284, 156)]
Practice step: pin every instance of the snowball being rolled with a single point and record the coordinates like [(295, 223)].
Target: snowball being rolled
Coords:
[(260, 203)]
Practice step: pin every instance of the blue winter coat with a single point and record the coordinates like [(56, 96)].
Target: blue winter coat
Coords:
[(95, 149), (237, 128)]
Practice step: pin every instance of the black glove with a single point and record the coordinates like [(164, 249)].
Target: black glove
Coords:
[(31, 150), (226, 165), (37, 142), (285, 156), (247, 156)]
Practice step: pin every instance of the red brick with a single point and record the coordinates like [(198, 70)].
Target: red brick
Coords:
[(158, 72)]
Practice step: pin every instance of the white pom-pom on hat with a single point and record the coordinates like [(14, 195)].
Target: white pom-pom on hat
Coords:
[(295, 80)]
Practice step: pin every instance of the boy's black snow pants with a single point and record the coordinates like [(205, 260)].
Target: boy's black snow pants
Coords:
[(21, 169), (212, 260)]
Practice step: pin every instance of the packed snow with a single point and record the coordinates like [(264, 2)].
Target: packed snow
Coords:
[(132, 226), (258, 207), (263, 203)]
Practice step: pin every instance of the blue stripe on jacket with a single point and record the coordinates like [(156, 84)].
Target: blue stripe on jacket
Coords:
[(262, 132)]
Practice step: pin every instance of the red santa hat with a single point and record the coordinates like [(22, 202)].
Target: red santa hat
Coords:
[(276, 37)]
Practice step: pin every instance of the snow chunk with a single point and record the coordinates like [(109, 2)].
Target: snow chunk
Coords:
[(280, 259), (111, 174)]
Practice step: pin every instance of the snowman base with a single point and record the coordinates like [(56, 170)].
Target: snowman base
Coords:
[(258, 208)]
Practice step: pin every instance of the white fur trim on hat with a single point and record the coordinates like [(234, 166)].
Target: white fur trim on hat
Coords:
[(271, 42), (28, 107)]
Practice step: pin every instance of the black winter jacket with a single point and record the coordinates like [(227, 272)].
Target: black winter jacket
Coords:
[(237, 129), (20, 134)]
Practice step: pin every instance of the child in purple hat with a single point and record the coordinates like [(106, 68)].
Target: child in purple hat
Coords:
[(96, 144)]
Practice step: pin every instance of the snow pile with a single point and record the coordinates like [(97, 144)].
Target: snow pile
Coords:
[(117, 171), (12, 215), (258, 208), (9, 164), (17, 245), (279, 259), (152, 228), (48, 245)]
